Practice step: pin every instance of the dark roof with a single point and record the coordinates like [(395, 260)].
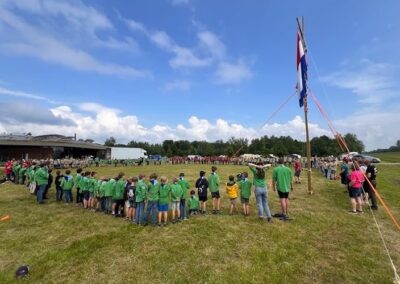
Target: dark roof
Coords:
[(52, 140)]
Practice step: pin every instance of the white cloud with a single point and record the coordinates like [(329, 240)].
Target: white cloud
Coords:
[(29, 38), (232, 73), (372, 82), (21, 94), (179, 2), (183, 57), (177, 85), (294, 128), (212, 43), (95, 121)]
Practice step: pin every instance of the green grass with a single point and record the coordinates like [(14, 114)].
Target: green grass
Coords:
[(323, 244), (388, 157)]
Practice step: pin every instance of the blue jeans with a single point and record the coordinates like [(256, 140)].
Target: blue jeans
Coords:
[(40, 193), (152, 207), (103, 203), (109, 203), (262, 202), (182, 208), (139, 212), (68, 196)]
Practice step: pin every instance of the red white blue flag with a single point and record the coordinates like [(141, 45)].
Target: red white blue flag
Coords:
[(301, 69)]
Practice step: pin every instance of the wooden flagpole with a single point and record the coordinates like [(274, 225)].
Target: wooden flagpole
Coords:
[(308, 145)]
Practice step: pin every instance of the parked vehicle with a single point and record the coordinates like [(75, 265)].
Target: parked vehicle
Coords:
[(371, 159)]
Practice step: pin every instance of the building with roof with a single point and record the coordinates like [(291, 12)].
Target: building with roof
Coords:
[(52, 146)]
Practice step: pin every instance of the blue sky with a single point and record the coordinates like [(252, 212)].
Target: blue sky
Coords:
[(197, 70)]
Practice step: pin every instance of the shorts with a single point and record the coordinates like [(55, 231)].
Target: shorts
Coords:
[(175, 205), (354, 192), (297, 173), (215, 194), (132, 203), (203, 198), (86, 194), (118, 201), (283, 194), (233, 200), (163, 207), (244, 200)]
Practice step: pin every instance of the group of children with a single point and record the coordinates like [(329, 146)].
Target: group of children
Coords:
[(141, 201)]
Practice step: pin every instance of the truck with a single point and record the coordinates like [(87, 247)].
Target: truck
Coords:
[(125, 153)]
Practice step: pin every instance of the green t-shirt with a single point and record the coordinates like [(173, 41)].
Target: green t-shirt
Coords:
[(213, 182), (141, 191), (85, 184), (245, 188), (78, 181), (194, 203), (109, 188), (164, 191), (345, 168), (282, 175), (41, 176), (102, 188), (153, 193), (176, 192), (67, 182), (185, 187), (119, 189), (258, 182), (92, 184)]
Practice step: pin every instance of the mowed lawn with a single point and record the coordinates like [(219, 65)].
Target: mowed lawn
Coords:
[(388, 157), (322, 244)]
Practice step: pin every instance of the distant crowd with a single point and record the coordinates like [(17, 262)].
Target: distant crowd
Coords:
[(155, 199)]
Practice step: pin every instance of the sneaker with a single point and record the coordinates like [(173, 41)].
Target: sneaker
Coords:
[(374, 207), (352, 212), (159, 224), (270, 220), (360, 212), (185, 219)]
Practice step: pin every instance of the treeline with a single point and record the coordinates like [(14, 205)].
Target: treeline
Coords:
[(394, 148), (279, 146)]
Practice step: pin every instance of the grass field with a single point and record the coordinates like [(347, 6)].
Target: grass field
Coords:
[(323, 243), (388, 157)]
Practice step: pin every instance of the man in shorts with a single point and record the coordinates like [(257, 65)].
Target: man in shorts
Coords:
[(282, 181), (297, 170), (202, 186), (213, 181)]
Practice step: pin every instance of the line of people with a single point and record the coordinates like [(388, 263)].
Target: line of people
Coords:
[(143, 201)]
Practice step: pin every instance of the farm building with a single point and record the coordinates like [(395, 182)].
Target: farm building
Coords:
[(47, 147)]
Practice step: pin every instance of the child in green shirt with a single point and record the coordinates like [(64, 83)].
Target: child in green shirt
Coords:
[(194, 203), (245, 192), (67, 183), (185, 187), (164, 191), (176, 194), (92, 182)]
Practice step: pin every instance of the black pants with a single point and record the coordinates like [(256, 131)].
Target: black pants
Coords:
[(79, 195), (371, 193), (59, 193)]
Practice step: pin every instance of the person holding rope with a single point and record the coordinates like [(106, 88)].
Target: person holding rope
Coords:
[(261, 190), (356, 179), (371, 176)]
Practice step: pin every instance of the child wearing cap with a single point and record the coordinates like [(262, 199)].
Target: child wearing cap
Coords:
[(232, 191), (245, 192), (202, 186), (193, 203)]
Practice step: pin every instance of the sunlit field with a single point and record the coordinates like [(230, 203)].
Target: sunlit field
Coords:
[(322, 244)]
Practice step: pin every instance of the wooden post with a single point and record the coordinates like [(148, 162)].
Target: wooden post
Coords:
[(300, 24), (308, 145)]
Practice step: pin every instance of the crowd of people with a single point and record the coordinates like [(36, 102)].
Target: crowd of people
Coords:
[(360, 183), (143, 200)]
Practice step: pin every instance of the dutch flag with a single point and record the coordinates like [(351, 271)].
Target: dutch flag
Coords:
[(301, 69)]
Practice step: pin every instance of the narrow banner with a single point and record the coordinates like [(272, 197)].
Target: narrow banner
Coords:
[(301, 69)]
